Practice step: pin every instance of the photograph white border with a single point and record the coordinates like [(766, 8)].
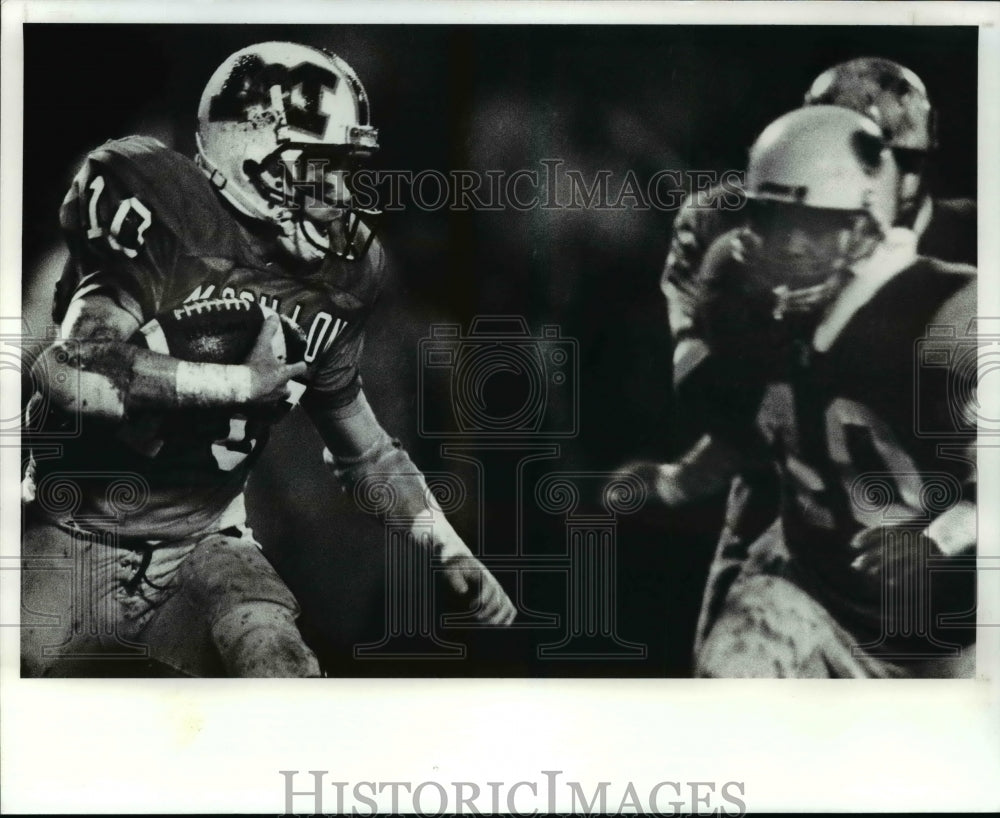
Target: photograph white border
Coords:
[(145, 746)]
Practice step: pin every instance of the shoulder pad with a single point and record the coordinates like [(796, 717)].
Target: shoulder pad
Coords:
[(164, 182), (959, 309)]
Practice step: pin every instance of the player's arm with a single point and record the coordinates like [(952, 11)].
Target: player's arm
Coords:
[(357, 447), (680, 271), (705, 470), (954, 531), (701, 302), (123, 249), (93, 370)]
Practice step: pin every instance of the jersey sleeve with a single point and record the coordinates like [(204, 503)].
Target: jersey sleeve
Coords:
[(687, 246), (118, 246), (336, 380), (702, 218)]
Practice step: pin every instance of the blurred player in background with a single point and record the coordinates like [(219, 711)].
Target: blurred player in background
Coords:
[(263, 213), (708, 234), (896, 100), (812, 341)]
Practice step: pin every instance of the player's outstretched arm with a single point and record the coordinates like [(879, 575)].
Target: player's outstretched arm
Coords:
[(358, 447), (95, 371), (705, 470)]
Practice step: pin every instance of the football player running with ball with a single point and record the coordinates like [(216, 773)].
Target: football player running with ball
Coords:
[(816, 341), (263, 214)]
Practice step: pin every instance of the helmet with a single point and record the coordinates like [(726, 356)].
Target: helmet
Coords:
[(887, 92), (280, 126), (827, 169), (824, 157)]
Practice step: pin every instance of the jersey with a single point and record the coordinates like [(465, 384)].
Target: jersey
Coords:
[(875, 427), (145, 228), (950, 232)]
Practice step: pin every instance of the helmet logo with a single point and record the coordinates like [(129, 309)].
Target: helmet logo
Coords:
[(302, 89), (868, 148)]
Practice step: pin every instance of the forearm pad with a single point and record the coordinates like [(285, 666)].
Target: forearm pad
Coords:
[(384, 481), (955, 532), (109, 378)]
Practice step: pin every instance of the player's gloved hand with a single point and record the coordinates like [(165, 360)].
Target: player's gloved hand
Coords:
[(269, 373), (659, 480), (478, 589), (885, 557), (746, 246)]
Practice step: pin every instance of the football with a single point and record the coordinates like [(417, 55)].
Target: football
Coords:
[(217, 331)]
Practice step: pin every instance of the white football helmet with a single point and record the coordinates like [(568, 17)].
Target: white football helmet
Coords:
[(827, 170), (280, 127)]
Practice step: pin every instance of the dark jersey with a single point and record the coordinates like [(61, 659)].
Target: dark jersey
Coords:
[(874, 427), (950, 233), (145, 227)]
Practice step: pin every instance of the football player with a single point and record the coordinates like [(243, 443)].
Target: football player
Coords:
[(817, 338), (896, 99), (264, 212), (708, 235)]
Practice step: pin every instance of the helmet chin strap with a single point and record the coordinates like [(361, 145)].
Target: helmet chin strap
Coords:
[(301, 239), (808, 299), (231, 193)]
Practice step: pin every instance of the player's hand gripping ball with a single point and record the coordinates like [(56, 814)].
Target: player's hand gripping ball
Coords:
[(221, 331)]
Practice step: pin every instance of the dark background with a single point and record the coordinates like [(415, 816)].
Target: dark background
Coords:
[(482, 98)]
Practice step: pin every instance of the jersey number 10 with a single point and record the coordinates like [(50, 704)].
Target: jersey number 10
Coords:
[(128, 225)]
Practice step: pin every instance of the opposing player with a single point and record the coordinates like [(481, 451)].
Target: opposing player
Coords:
[(874, 451), (149, 499), (709, 233), (895, 98)]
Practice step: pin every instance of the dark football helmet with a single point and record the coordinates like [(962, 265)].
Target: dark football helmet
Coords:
[(896, 100)]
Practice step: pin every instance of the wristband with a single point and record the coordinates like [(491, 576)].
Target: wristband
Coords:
[(212, 384)]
